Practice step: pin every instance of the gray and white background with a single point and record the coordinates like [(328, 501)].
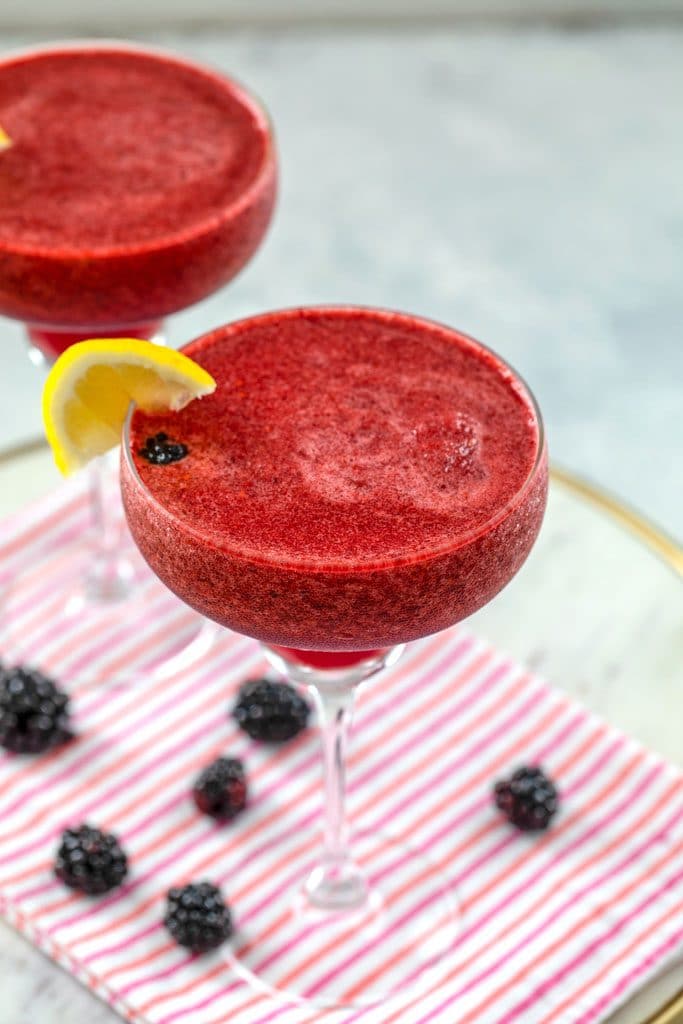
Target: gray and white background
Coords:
[(514, 169)]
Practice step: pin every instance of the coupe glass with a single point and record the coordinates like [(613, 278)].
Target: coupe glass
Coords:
[(123, 291), (343, 900)]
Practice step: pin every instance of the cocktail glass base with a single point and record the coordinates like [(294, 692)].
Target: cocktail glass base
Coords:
[(131, 631), (393, 939)]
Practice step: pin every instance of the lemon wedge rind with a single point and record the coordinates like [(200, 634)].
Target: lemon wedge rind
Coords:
[(90, 387)]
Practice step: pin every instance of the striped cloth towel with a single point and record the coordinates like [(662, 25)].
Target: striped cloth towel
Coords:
[(556, 928)]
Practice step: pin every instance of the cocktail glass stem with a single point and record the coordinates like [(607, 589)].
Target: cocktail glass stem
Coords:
[(337, 882), (111, 574)]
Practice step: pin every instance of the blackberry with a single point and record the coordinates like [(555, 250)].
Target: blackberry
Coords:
[(90, 860), (221, 789), (159, 450), (197, 917), (34, 713), (528, 799), (270, 711)]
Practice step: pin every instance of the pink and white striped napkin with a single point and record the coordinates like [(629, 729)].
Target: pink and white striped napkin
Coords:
[(556, 929)]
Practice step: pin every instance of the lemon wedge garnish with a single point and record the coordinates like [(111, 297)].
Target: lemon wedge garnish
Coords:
[(90, 387), (5, 141)]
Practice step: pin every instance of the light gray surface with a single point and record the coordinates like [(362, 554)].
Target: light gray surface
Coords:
[(34, 991), (524, 186), (21, 13)]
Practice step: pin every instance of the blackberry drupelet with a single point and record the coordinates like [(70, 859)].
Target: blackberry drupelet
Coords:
[(160, 451), (90, 860), (197, 917), (221, 789), (269, 711), (34, 713), (528, 799)]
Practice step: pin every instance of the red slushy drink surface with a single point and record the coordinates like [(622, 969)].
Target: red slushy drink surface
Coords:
[(368, 471), (135, 184)]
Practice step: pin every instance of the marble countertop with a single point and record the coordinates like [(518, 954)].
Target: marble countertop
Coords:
[(523, 185)]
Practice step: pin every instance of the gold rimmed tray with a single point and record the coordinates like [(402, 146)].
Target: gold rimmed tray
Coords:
[(602, 591)]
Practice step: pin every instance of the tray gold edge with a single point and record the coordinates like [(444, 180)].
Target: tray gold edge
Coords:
[(672, 1013), (17, 451), (653, 536)]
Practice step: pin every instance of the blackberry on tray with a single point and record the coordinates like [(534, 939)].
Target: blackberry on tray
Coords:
[(270, 711), (197, 916), (528, 799), (90, 860), (34, 712)]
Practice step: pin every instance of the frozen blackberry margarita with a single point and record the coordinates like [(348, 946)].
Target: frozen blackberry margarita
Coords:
[(359, 479), (133, 183)]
